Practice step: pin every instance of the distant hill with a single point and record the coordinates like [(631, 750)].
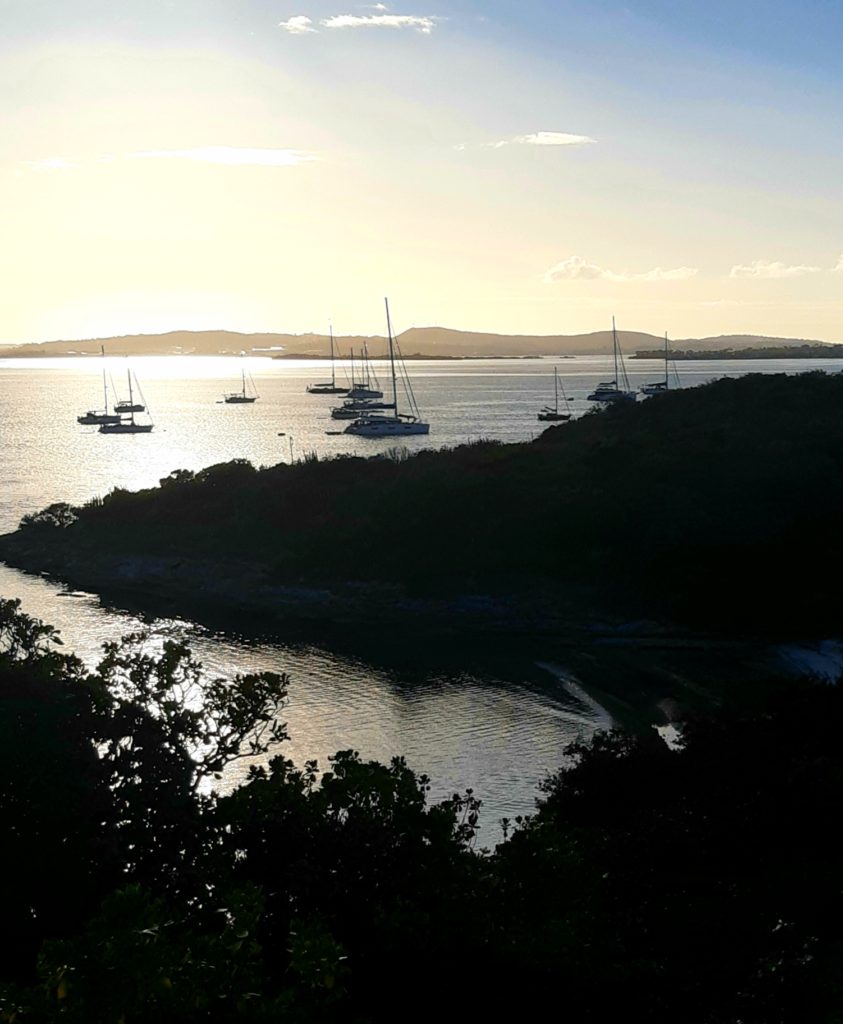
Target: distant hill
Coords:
[(426, 341)]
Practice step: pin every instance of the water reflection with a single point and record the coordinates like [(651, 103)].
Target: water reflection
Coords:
[(466, 718)]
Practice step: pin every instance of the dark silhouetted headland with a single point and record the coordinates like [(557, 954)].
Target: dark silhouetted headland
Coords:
[(716, 507)]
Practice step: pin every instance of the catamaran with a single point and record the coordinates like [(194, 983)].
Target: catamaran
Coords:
[(245, 396), (661, 386), (553, 415), (94, 417), (611, 391), (329, 388), (128, 426), (397, 424)]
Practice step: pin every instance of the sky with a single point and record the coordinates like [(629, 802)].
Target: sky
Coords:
[(517, 166)]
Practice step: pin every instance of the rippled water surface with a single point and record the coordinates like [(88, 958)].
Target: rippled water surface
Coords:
[(462, 716)]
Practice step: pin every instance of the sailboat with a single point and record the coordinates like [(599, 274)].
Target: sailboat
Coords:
[(367, 387), (94, 417), (661, 386), (398, 424), (329, 388), (611, 391), (244, 396), (553, 415), (352, 408), (128, 426)]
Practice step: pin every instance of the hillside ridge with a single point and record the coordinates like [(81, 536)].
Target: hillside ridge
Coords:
[(425, 341)]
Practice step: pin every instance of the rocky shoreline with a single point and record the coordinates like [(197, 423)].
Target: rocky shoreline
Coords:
[(240, 590)]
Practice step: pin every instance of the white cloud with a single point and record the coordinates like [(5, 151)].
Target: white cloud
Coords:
[(658, 274), (839, 268), (574, 269), (52, 163), (298, 25), (421, 24), (230, 155), (771, 271), (578, 269), (548, 139), (535, 139)]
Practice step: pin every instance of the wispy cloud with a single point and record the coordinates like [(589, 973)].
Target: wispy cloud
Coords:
[(230, 155), (301, 24), (771, 271), (297, 26), (578, 269), (52, 163), (420, 23), (548, 139), (839, 268), (535, 139)]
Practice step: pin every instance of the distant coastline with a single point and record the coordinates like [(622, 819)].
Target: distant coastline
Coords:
[(824, 351), (423, 343), (419, 357)]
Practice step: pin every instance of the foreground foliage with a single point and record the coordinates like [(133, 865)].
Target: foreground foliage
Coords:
[(699, 884)]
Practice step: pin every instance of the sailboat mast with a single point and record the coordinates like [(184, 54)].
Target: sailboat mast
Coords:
[(333, 376), (104, 384), (392, 361), (615, 349), (131, 399), (666, 382), (556, 386)]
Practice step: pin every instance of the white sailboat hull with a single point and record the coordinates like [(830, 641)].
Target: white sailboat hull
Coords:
[(612, 396), (387, 427), (365, 393), (126, 428), (326, 389), (95, 419)]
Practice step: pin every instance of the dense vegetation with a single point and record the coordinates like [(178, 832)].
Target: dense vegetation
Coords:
[(715, 506), (699, 884), (771, 352)]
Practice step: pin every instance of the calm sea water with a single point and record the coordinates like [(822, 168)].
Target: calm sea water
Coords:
[(462, 717)]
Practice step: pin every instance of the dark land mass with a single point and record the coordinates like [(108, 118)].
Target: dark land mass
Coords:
[(772, 352), (706, 878), (652, 884), (428, 342), (714, 508)]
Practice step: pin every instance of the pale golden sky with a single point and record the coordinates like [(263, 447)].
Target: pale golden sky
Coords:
[(524, 168)]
